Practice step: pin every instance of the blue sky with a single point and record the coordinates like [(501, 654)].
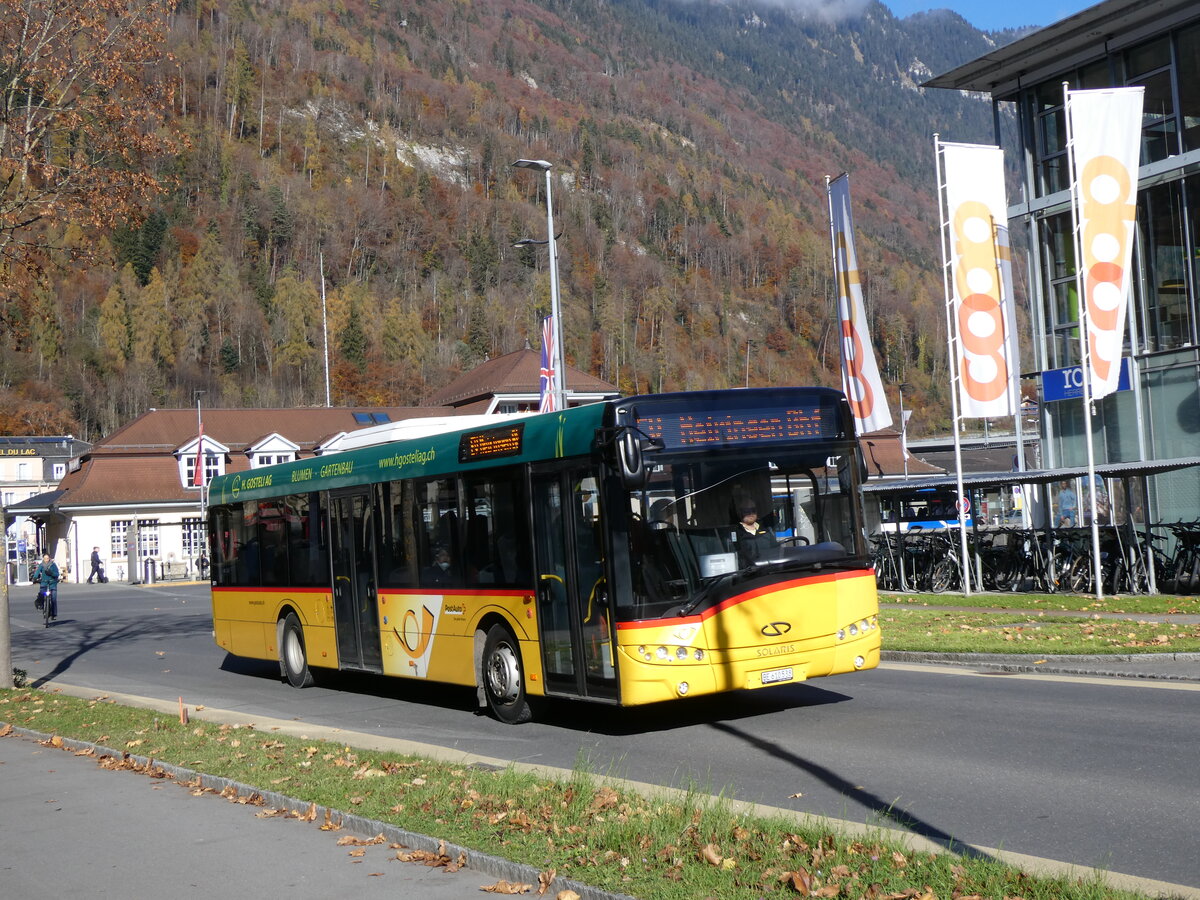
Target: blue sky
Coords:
[(990, 15)]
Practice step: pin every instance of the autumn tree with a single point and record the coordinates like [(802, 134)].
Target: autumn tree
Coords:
[(78, 116)]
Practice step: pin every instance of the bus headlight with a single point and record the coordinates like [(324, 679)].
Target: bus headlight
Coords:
[(853, 629), (682, 688), (841, 634), (661, 652), (699, 654), (681, 652)]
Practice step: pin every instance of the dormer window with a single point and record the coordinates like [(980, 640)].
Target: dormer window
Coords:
[(271, 451), (213, 465)]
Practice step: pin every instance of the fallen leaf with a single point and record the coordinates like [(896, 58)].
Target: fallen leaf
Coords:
[(711, 854), (507, 887), (566, 895), (800, 880)]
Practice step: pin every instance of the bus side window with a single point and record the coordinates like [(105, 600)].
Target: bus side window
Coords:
[(394, 537), (497, 542)]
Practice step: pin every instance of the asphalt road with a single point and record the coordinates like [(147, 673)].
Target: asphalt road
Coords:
[(1096, 772)]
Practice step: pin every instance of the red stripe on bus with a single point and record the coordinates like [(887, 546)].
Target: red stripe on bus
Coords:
[(743, 598)]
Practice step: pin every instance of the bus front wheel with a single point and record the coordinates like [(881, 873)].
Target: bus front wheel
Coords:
[(503, 677), (292, 655)]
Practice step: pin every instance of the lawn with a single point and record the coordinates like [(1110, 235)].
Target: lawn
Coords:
[(955, 631)]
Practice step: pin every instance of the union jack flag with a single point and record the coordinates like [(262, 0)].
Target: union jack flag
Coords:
[(549, 401)]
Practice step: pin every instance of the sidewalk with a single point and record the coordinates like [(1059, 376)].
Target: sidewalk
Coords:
[(73, 828)]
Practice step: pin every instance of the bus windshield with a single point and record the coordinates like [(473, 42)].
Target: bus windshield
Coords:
[(691, 531)]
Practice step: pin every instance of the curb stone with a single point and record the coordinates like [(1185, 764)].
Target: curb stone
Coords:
[(484, 863), (1157, 666)]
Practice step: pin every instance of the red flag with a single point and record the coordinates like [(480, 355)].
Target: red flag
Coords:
[(198, 477)]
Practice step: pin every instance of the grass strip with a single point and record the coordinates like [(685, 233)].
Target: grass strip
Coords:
[(676, 848), (951, 631), (1137, 604), (1134, 604)]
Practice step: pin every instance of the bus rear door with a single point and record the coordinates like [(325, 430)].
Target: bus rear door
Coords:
[(355, 602), (573, 612)]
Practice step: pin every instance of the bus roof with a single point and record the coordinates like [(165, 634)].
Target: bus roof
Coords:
[(501, 440)]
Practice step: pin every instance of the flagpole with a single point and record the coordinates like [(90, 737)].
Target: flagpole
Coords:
[(199, 476), (1084, 350), (324, 326), (952, 364)]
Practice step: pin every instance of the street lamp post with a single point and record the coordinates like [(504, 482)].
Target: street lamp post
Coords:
[(559, 386), (903, 430)]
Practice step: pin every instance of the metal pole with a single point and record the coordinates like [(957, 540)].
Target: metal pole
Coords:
[(1084, 351), (560, 372), (6, 672), (955, 377), (324, 326)]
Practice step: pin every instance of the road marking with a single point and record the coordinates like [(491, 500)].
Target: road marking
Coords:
[(968, 670)]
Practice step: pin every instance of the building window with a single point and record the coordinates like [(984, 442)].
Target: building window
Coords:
[(1187, 69), (60, 471), (193, 537), (119, 538), (1150, 66), (1166, 320), (147, 537), (24, 472), (271, 459), (1062, 314), (213, 464)]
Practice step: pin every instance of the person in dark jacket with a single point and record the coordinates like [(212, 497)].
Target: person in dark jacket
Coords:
[(97, 569), (754, 542), (47, 575)]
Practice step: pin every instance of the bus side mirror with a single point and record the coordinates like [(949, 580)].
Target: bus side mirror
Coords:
[(631, 466)]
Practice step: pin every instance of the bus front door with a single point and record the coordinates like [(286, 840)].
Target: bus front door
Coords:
[(355, 605), (573, 614)]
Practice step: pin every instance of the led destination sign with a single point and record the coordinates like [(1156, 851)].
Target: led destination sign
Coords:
[(697, 428), (494, 443)]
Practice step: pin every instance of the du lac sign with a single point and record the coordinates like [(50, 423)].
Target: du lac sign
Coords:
[(1067, 384)]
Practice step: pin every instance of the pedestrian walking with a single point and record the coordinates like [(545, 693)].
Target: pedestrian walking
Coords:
[(97, 568)]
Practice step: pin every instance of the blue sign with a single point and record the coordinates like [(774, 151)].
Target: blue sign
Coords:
[(1067, 384)]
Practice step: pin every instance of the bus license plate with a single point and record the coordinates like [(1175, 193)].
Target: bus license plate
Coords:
[(774, 676)]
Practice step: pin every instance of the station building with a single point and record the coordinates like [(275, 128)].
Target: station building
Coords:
[(1154, 422)]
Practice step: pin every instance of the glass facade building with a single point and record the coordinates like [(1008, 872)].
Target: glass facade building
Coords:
[(1115, 43)]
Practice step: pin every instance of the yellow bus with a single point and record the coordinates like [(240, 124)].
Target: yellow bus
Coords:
[(596, 553)]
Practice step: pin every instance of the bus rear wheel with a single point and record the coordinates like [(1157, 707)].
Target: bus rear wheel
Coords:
[(292, 657), (504, 678)]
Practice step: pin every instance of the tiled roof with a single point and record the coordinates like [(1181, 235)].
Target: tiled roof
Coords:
[(239, 429), (513, 373), (137, 464)]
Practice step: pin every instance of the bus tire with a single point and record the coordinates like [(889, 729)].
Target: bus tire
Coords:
[(504, 678), (292, 658)]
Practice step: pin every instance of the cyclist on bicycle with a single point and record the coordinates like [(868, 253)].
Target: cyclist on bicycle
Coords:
[(47, 575)]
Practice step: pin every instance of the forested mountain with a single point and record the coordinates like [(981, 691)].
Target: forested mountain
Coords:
[(372, 140)]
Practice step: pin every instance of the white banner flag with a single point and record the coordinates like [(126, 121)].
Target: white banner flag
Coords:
[(983, 321), (1106, 129), (860, 374)]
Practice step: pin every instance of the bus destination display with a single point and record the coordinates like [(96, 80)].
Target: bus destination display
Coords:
[(494, 443), (698, 428)]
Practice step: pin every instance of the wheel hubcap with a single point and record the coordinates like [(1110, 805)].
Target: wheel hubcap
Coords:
[(504, 676)]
